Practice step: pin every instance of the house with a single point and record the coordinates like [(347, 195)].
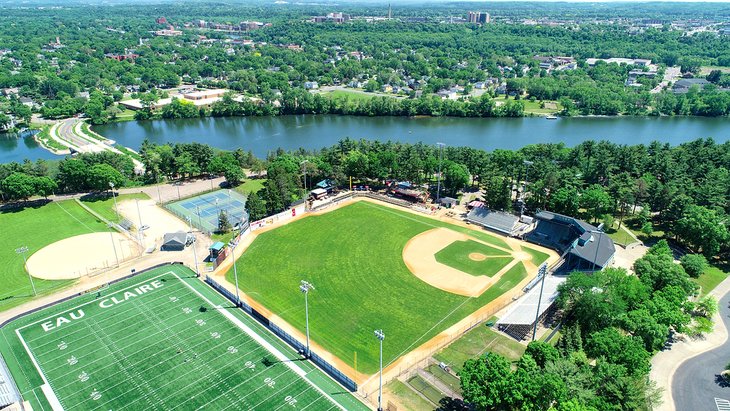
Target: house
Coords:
[(83, 94), (447, 94), (27, 101), (447, 202), (311, 85), (387, 88), (10, 91), (355, 84), (682, 86), (480, 85)]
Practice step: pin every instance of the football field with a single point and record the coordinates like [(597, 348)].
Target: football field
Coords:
[(159, 341)]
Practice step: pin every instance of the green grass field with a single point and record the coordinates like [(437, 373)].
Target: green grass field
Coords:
[(407, 396), (538, 257), (426, 389), (353, 256), (104, 206), (712, 276), (476, 342), (35, 228), (456, 255), (162, 340)]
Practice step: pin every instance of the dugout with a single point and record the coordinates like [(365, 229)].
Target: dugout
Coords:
[(318, 193), (215, 250)]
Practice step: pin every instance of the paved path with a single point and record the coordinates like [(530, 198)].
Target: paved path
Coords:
[(697, 382), (686, 390)]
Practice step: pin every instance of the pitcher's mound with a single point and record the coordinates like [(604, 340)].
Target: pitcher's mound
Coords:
[(477, 257), (80, 255)]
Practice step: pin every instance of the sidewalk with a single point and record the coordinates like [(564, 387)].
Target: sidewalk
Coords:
[(665, 363)]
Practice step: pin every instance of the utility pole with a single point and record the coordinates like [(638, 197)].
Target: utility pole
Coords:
[(22, 251), (304, 287), (380, 336), (304, 167), (235, 276), (438, 189), (140, 229)]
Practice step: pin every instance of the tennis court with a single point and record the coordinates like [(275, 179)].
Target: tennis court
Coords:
[(205, 208)]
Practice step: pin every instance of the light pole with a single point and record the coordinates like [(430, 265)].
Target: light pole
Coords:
[(140, 229), (159, 197), (116, 210), (22, 251), (380, 336), (438, 187), (178, 189), (304, 287), (111, 235), (197, 211), (195, 253), (598, 246), (235, 276), (304, 168), (541, 271)]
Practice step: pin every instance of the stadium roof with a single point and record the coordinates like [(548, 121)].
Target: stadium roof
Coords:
[(523, 311), (495, 220)]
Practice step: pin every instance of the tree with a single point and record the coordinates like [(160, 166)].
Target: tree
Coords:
[(224, 225), (617, 348), (456, 177), (487, 383), (542, 353), (72, 175), (702, 229), (647, 229), (18, 186), (44, 186), (255, 206), (694, 264), (99, 176), (234, 174), (596, 201)]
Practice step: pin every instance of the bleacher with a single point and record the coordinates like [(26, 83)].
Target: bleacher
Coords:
[(494, 220), (553, 235), (8, 392)]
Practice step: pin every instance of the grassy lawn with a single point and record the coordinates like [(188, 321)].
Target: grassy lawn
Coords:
[(250, 186), (125, 115), (104, 205), (352, 95), (407, 397), (35, 228), (533, 107), (713, 276), (538, 257), (450, 380), (46, 139), (456, 255), (476, 342), (354, 257), (619, 236), (428, 390)]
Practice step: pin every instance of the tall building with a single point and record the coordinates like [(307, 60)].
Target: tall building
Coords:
[(478, 17)]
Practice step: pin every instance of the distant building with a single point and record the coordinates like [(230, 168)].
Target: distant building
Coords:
[(633, 62), (682, 86), (121, 57), (478, 17), (311, 85), (161, 20), (337, 17), (168, 33)]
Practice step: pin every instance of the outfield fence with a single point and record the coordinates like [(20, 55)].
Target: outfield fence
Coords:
[(333, 372)]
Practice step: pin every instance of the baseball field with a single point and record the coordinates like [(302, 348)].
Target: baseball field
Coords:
[(355, 258), (161, 340), (36, 228)]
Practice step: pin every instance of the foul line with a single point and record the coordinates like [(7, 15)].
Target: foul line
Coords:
[(256, 337)]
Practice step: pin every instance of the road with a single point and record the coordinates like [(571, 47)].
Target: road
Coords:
[(696, 384)]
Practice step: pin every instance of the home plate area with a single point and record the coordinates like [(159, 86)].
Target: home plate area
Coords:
[(158, 342)]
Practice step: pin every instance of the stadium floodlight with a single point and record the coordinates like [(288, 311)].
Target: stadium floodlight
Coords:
[(235, 275), (304, 167), (441, 156), (141, 226), (304, 287), (380, 336), (111, 235), (542, 271), (22, 250), (116, 210), (195, 243)]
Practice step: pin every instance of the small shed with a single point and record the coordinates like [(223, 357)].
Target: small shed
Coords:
[(318, 193), (216, 248), (448, 202), (174, 241)]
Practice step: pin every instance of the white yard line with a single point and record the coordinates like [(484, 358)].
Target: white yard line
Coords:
[(264, 343), (50, 395)]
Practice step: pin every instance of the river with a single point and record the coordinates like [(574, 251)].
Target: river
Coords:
[(264, 134), (15, 148)]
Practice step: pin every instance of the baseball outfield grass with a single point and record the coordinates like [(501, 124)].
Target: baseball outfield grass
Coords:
[(161, 340), (353, 256), (458, 255), (35, 228)]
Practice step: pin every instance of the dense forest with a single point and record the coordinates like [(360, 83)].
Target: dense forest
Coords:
[(423, 56)]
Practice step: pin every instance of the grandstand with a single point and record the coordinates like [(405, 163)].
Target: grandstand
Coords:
[(494, 220), (8, 392), (519, 319), (584, 247)]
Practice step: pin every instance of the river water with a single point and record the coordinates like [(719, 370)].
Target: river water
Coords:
[(264, 134)]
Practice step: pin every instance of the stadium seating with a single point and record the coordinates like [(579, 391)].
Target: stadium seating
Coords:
[(494, 220)]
